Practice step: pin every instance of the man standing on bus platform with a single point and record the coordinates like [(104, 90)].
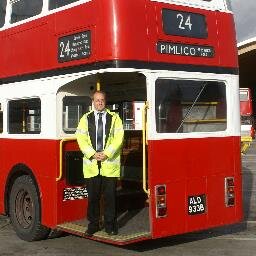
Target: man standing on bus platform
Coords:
[(100, 135)]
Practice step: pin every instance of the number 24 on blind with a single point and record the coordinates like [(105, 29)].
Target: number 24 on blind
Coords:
[(184, 22)]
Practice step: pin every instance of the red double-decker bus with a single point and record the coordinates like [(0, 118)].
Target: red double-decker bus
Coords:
[(169, 68), (246, 112), (247, 118)]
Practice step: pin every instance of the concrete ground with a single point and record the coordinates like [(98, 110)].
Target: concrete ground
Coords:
[(236, 240)]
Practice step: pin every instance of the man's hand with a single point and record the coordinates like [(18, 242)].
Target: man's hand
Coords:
[(100, 156), (103, 157)]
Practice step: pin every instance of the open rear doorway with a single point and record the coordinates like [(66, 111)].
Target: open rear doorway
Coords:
[(126, 95)]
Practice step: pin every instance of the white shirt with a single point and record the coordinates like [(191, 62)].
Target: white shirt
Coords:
[(103, 122)]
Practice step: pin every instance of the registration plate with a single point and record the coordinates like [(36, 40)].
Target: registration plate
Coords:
[(196, 204)]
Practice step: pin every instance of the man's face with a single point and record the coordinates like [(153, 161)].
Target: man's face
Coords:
[(99, 101)]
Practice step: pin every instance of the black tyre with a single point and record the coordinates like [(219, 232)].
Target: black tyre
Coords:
[(55, 233), (24, 210)]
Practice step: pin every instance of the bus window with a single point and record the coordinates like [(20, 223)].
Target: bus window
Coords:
[(2, 12), (184, 106), (53, 4), (1, 119), (24, 9), (73, 109), (24, 116)]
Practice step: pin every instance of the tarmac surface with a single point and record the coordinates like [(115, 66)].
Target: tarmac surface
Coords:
[(235, 240)]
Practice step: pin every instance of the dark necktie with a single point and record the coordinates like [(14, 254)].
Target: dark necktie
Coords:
[(100, 133)]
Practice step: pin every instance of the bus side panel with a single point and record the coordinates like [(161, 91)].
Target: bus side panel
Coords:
[(42, 158), (78, 19), (216, 23), (193, 167), (30, 39), (2, 178), (160, 36), (70, 209), (122, 30), (226, 30)]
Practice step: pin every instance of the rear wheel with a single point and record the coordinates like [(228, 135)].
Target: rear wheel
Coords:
[(25, 213)]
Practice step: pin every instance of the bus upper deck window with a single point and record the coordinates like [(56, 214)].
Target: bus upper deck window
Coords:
[(53, 4), (24, 116), (2, 12), (24, 9), (185, 106)]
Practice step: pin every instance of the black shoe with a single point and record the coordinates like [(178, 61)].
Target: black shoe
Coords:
[(90, 232)]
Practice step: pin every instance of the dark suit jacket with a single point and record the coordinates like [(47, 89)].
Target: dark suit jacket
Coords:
[(92, 128)]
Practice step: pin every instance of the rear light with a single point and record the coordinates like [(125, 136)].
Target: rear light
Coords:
[(229, 191), (161, 207), (252, 132), (161, 190)]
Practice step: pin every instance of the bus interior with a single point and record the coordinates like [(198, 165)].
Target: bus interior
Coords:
[(126, 95)]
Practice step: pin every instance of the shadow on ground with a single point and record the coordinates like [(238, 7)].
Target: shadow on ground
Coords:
[(186, 238)]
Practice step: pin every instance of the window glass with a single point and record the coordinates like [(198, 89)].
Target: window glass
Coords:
[(1, 119), (2, 12), (244, 96), (73, 109), (24, 116), (184, 106), (53, 4), (24, 9)]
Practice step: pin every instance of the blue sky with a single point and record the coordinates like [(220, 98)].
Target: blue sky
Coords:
[(245, 18)]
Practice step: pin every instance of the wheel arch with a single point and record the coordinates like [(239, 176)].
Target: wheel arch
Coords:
[(17, 171)]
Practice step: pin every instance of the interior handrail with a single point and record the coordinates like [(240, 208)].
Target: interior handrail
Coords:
[(62, 141), (144, 142)]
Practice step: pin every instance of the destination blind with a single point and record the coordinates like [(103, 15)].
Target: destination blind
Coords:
[(185, 49)]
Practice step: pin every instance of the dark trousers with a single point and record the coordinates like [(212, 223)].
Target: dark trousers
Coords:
[(96, 186)]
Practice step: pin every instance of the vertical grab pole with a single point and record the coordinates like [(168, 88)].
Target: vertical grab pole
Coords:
[(144, 142), (61, 156)]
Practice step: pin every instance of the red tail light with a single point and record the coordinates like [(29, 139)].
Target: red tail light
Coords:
[(161, 207), (229, 191), (252, 132)]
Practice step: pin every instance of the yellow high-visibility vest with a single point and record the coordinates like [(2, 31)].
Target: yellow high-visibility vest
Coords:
[(113, 146)]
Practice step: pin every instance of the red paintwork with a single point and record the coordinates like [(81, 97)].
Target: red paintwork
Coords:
[(186, 166), (138, 29), (194, 167), (42, 158), (246, 106)]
